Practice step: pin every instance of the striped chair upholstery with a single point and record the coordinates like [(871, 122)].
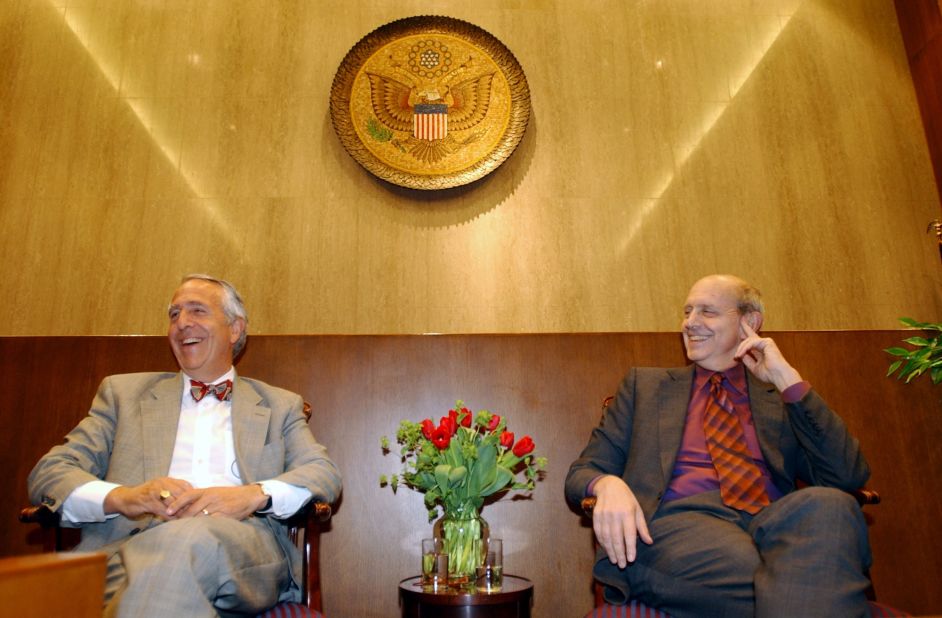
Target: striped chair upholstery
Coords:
[(291, 610), (636, 609)]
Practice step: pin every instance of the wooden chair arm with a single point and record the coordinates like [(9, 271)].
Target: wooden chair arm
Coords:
[(307, 523), (42, 515), (863, 495), (312, 512)]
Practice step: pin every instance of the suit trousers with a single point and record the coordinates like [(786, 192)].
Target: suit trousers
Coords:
[(195, 567), (806, 554)]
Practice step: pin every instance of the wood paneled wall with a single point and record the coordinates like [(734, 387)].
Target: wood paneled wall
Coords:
[(549, 386)]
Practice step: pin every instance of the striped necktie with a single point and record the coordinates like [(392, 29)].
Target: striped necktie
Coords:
[(741, 485)]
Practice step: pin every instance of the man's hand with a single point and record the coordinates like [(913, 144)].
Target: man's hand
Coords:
[(763, 358), (236, 502), (150, 498), (618, 520)]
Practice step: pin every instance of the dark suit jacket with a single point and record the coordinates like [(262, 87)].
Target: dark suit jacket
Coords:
[(641, 432), (129, 435)]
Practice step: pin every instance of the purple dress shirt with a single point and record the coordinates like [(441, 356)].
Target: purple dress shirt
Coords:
[(693, 469)]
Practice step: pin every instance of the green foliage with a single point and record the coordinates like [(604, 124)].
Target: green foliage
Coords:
[(926, 355), (462, 461)]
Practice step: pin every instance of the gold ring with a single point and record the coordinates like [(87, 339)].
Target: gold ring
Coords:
[(164, 494), (205, 512)]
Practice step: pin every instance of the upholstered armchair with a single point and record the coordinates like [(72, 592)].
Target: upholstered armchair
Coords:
[(304, 528), (636, 609)]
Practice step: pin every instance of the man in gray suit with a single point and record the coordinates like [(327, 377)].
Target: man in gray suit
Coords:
[(182, 478), (755, 545)]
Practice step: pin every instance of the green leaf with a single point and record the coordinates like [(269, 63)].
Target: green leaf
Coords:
[(922, 325), (917, 341), (893, 367), (503, 477), (442, 471), (908, 368), (426, 480), (483, 470), (457, 474), (897, 351)]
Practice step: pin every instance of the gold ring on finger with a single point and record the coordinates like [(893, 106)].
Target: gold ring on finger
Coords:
[(205, 512)]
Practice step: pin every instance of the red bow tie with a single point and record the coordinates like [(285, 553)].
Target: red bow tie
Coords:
[(222, 390)]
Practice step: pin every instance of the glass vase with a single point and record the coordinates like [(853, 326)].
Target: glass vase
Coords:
[(463, 533)]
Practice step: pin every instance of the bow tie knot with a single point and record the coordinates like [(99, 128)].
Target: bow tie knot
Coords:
[(222, 390)]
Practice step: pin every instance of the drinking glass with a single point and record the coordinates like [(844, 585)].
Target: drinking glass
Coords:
[(490, 575), (434, 563)]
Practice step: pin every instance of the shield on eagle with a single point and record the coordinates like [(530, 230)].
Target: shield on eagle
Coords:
[(430, 121)]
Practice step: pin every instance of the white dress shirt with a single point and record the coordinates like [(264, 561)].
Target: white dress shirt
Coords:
[(203, 455)]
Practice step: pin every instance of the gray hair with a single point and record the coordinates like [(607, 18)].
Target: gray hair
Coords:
[(232, 306), (750, 298)]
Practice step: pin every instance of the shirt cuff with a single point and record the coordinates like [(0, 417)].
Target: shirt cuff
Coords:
[(590, 488), (286, 498), (86, 503), (796, 392)]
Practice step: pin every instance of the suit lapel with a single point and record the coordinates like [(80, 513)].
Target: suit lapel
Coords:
[(250, 419), (768, 416), (673, 398), (160, 416)]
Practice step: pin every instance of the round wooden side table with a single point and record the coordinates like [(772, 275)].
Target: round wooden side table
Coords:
[(513, 601)]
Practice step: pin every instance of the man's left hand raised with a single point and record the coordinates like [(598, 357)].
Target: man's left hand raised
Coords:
[(763, 358)]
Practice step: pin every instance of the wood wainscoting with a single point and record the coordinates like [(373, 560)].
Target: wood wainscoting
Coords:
[(549, 386)]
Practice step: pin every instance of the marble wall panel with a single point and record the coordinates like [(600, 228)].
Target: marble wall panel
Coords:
[(778, 140)]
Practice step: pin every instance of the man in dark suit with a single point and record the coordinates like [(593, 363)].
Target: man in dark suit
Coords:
[(182, 478), (703, 470)]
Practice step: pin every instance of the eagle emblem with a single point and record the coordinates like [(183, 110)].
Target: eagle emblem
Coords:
[(429, 102), (427, 99)]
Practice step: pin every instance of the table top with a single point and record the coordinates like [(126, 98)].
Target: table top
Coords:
[(512, 588)]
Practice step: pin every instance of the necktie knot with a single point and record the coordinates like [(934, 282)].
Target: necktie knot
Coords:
[(221, 390)]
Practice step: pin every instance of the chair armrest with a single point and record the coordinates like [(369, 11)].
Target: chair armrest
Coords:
[(863, 495), (306, 524), (587, 505), (316, 512), (42, 515)]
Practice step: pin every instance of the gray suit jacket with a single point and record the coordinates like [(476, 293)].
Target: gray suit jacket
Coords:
[(129, 435), (641, 432)]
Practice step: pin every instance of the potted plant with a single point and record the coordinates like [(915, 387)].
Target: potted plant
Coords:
[(924, 357)]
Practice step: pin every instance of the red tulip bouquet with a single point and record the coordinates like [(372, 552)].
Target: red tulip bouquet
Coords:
[(457, 464)]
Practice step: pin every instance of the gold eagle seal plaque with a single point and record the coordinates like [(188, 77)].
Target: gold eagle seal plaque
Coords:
[(430, 102)]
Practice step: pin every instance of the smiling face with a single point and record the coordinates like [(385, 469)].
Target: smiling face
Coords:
[(712, 326), (201, 337)]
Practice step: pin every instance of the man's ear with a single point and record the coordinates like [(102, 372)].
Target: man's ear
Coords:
[(235, 329), (754, 320)]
